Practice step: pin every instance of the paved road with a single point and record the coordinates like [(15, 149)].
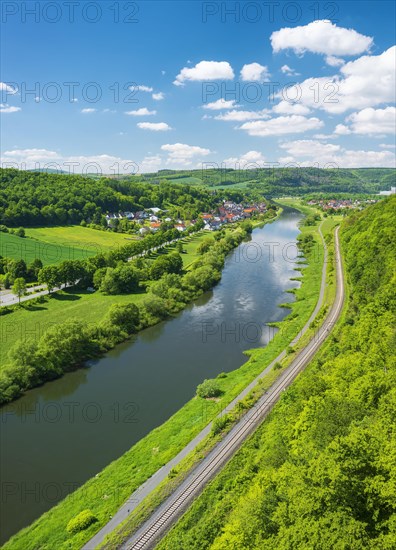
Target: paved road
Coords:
[(168, 512), (9, 299), (146, 488)]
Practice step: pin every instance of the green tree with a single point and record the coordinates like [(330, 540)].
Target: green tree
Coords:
[(34, 268), (19, 288), (205, 245), (124, 316), (120, 280), (50, 276), (17, 269)]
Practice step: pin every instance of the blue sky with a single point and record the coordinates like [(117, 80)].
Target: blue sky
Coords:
[(194, 104)]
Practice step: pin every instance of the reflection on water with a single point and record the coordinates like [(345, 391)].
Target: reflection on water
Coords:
[(56, 433)]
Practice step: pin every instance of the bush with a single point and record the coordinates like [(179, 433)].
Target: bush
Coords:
[(220, 423), (209, 388), (277, 366), (83, 520), (20, 232)]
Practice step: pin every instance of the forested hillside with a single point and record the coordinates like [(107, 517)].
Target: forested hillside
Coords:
[(321, 471), (40, 198), (276, 181)]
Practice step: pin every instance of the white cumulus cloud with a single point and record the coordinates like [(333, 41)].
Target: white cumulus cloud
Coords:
[(341, 130), (154, 126), (289, 108), (183, 154), (373, 121), (142, 88), (88, 111), (282, 125), (220, 104), (334, 61), (205, 70), (7, 88), (80, 164), (365, 82), (309, 148), (288, 71), (254, 72), (158, 96), (5, 108), (387, 146), (241, 116), (322, 37), (143, 111), (150, 163), (310, 152), (249, 160)]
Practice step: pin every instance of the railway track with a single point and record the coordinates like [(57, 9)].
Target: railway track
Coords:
[(162, 519)]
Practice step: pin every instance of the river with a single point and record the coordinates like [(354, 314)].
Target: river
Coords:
[(59, 435)]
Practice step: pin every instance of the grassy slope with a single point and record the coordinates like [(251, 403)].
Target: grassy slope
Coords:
[(123, 476)]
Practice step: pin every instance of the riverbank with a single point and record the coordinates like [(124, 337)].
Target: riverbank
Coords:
[(106, 492), (241, 404), (93, 339)]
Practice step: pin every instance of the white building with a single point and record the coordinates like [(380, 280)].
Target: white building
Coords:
[(387, 193)]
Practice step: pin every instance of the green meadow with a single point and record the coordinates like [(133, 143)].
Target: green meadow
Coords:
[(55, 244)]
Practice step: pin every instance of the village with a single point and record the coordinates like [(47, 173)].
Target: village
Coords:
[(153, 219), (335, 205)]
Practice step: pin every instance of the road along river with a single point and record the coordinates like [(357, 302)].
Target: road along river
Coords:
[(53, 439)]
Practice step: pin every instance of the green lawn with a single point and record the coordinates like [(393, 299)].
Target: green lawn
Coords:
[(191, 180), (190, 246)]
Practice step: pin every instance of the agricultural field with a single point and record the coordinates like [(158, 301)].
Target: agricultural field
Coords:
[(55, 244), (75, 235)]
